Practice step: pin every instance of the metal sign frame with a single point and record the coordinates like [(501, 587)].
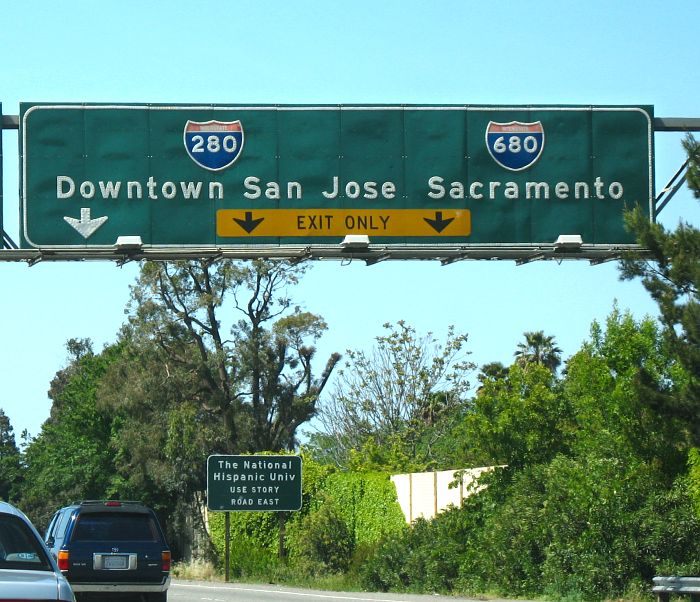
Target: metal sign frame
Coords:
[(370, 253), (365, 142)]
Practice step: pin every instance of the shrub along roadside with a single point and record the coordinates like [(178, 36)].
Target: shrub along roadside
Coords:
[(575, 529)]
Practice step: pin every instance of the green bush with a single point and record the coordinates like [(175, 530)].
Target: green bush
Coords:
[(424, 558), (368, 504), (506, 539), (253, 541), (577, 529), (580, 528), (669, 525), (250, 560), (322, 541), (357, 509), (694, 477), (385, 570)]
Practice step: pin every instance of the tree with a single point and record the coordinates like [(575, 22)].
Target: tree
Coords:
[(491, 372), (276, 364), (692, 148), (395, 395), (538, 349), (193, 379), (10, 468), (162, 431), (517, 419), (259, 383), (71, 458), (670, 271), (611, 419)]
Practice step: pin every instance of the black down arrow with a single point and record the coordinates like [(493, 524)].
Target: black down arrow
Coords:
[(248, 224), (438, 223)]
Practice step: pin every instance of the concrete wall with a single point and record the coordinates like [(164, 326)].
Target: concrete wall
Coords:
[(425, 494)]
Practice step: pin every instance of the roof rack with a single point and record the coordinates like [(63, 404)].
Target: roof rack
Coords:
[(103, 502)]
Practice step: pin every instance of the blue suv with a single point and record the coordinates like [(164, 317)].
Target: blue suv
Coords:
[(105, 547)]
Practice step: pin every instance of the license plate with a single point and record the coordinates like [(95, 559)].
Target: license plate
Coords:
[(116, 562)]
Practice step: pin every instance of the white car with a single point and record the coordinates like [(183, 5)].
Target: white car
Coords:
[(27, 569)]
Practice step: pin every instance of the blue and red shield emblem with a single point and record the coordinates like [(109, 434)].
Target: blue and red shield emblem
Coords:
[(515, 145), (214, 145)]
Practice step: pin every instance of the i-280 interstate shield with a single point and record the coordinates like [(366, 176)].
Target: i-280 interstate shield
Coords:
[(214, 145), (224, 176)]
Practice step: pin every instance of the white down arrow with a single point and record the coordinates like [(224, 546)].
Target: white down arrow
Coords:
[(85, 226)]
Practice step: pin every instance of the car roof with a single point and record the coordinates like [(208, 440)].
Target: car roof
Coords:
[(7, 508), (110, 506)]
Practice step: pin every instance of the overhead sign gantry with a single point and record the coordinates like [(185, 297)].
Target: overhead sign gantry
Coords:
[(385, 181)]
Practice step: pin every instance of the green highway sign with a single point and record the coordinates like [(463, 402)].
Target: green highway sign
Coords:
[(215, 176), (254, 483)]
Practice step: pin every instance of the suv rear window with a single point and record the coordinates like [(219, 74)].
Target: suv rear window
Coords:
[(115, 526), (19, 547)]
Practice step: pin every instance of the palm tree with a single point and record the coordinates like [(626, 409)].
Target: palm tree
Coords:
[(538, 348), (491, 372)]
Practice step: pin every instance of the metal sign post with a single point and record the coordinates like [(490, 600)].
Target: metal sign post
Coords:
[(227, 544)]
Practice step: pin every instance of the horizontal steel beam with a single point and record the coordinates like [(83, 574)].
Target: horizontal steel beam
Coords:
[(10, 122), (676, 124), (446, 254), (661, 124)]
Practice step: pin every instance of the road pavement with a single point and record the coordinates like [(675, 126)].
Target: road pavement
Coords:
[(201, 591)]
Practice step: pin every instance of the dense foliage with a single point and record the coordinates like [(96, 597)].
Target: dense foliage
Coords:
[(214, 358), (71, 458), (594, 500), (10, 473), (601, 488), (389, 403)]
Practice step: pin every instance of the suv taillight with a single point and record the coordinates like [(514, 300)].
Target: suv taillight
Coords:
[(63, 556), (166, 561)]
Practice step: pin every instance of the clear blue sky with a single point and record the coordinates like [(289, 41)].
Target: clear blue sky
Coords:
[(318, 51)]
